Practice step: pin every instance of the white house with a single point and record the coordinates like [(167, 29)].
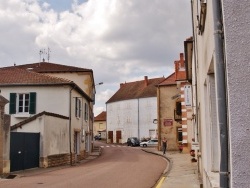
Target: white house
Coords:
[(60, 108), (131, 111), (99, 126), (220, 66)]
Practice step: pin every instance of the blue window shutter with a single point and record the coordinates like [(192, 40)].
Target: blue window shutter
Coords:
[(32, 107), (12, 107)]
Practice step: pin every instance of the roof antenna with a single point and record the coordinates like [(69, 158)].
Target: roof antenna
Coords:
[(48, 54), (43, 54), (40, 54)]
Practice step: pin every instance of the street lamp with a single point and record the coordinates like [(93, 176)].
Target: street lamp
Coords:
[(100, 83)]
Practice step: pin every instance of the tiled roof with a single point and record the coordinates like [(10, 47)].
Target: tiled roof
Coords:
[(135, 90), (170, 80), (17, 76), (101, 116), (45, 67)]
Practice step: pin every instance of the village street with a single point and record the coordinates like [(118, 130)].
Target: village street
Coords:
[(118, 166)]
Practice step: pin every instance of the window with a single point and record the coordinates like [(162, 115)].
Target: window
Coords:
[(21, 103), (179, 134), (78, 108), (86, 112), (178, 108)]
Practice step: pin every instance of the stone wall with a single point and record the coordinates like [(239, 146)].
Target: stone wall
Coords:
[(61, 159), (4, 138)]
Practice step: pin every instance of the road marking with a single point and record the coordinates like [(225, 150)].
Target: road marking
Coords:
[(160, 182), (112, 146)]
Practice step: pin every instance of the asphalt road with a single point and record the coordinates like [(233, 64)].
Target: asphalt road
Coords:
[(117, 167)]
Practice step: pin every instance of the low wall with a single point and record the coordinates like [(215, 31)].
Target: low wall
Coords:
[(61, 159)]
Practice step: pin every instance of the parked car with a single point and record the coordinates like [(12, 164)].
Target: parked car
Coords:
[(97, 137), (133, 141), (152, 142)]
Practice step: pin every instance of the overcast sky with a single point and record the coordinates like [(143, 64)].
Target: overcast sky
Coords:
[(121, 40)]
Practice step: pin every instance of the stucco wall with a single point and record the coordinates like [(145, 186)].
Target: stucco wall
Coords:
[(83, 80), (166, 111), (99, 126), (236, 23), (204, 67), (54, 134), (50, 99), (133, 117)]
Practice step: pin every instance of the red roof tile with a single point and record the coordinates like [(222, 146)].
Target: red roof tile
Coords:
[(101, 116), (170, 80), (135, 90), (14, 75), (45, 67)]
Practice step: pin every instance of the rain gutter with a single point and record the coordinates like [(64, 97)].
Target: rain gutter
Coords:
[(221, 95)]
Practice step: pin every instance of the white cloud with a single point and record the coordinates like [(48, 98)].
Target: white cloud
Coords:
[(121, 40)]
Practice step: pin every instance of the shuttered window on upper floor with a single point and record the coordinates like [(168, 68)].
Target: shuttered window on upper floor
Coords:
[(22, 103)]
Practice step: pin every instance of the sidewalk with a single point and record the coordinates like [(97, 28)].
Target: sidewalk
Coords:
[(181, 173)]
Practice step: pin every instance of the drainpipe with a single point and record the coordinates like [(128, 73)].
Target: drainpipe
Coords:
[(70, 149), (138, 119), (158, 118), (221, 92), (195, 50)]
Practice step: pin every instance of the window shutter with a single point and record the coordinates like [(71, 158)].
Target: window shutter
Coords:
[(76, 107), (80, 108), (85, 112), (12, 107), (178, 108), (32, 107)]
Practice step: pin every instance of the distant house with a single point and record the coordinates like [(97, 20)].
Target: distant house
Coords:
[(131, 111), (175, 108), (100, 125), (169, 119), (55, 101)]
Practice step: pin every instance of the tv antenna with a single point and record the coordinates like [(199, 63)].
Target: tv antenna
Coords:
[(44, 53)]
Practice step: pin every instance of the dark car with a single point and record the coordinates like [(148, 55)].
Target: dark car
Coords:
[(133, 141), (97, 137)]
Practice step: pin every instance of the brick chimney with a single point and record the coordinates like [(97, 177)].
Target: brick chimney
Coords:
[(180, 70), (146, 80)]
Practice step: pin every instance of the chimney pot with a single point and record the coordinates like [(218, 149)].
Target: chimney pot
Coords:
[(146, 80), (181, 56)]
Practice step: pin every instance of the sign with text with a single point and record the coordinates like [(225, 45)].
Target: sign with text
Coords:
[(188, 95), (195, 146), (168, 122)]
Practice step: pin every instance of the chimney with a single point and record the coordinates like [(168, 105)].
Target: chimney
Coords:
[(181, 56), (146, 80), (121, 84)]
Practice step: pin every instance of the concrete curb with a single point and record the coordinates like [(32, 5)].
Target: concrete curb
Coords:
[(170, 162)]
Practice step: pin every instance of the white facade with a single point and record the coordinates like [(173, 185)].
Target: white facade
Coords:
[(59, 100), (32, 94), (53, 136), (134, 118), (221, 61), (49, 99)]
